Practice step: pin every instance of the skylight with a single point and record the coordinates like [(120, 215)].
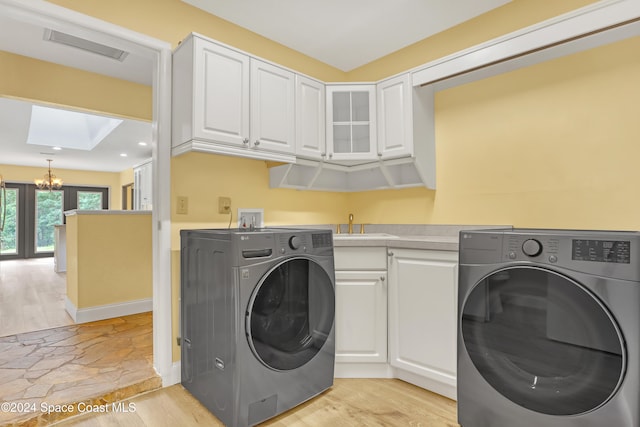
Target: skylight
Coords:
[(68, 129)]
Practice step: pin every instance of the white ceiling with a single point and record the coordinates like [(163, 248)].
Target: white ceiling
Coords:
[(342, 33), (15, 117), (347, 33), (28, 40)]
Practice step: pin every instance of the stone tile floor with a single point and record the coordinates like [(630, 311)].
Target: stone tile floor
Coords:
[(92, 363)]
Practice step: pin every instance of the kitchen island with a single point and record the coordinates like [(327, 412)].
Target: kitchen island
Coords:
[(109, 263)]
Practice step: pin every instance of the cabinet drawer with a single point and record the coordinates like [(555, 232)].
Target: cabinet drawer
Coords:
[(360, 258)]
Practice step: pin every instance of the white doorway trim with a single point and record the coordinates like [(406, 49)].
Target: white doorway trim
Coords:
[(58, 18)]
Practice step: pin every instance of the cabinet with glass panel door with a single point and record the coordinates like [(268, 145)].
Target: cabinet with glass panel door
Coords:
[(351, 126)]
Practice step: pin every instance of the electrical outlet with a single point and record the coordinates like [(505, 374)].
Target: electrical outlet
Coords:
[(182, 206), (224, 205)]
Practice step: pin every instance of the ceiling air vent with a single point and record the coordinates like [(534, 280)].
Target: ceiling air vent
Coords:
[(87, 45)]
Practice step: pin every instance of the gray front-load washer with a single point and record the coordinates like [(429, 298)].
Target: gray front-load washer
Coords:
[(549, 328), (257, 315)]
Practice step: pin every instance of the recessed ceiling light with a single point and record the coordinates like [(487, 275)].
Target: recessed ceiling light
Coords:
[(142, 144), (123, 154), (57, 148)]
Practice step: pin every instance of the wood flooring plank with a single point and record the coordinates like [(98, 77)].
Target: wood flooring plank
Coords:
[(349, 403), (31, 296)]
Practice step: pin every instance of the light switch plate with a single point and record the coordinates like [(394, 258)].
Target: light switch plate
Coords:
[(182, 205)]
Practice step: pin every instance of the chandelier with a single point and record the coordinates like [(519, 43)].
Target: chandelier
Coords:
[(49, 182)]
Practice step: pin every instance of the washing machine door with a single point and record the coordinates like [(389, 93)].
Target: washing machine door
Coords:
[(291, 313), (543, 341)]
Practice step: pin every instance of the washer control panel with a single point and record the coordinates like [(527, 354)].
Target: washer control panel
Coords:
[(616, 251), (604, 253), (538, 248)]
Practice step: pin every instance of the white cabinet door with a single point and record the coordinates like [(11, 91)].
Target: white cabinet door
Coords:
[(361, 316), (422, 313), (351, 128), (310, 118), (272, 108), (220, 94), (143, 187), (395, 123)]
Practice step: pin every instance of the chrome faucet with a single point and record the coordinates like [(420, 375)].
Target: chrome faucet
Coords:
[(350, 223)]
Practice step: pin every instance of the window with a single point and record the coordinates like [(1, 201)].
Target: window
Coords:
[(89, 200), (48, 214), (9, 237)]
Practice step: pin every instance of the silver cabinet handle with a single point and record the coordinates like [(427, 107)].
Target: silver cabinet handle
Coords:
[(257, 142), (382, 278), (330, 155), (245, 141), (390, 253)]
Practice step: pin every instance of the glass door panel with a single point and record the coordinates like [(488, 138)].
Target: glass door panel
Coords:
[(543, 341), (9, 222), (89, 200), (291, 314), (48, 213)]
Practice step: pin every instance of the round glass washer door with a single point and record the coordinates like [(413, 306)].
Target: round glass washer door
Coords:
[(290, 314), (543, 341)]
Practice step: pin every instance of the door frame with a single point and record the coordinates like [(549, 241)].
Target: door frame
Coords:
[(159, 51)]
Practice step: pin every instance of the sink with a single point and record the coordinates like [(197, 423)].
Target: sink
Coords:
[(365, 236)]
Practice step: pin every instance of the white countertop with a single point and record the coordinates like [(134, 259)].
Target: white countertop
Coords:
[(440, 243)]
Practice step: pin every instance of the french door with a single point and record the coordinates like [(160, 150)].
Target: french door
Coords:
[(32, 214)]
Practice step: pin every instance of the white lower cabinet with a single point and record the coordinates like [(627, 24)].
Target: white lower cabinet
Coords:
[(422, 318), (396, 315), (361, 312), (361, 316)]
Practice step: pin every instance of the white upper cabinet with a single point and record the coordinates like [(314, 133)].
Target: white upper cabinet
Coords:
[(210, 93), (310, 118), (226, 102), (272, 107), (351, 124), (395, 118)]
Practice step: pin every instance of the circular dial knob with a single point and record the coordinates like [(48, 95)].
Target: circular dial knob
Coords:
[(531, 247), (294, 242)]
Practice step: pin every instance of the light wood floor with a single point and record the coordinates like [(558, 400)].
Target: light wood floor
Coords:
[(349, 403), (31, 296)]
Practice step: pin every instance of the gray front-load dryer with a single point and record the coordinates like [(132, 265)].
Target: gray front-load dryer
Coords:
[(549, 328), (257, 315)]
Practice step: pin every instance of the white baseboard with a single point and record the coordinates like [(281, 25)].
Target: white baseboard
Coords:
[(101, 312), (430, 384), (174, 376), (362, 370)]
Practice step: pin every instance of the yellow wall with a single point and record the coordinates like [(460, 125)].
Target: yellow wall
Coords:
[(202, 178), (109, 258), (26, 174), (45, 82), (552, 145)]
